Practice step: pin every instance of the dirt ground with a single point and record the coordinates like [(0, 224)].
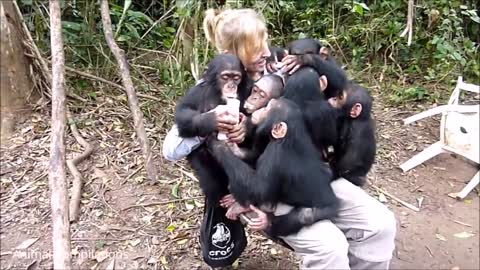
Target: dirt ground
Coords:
[(131, 224)]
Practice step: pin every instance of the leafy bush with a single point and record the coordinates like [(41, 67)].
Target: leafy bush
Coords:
[(365, 35)]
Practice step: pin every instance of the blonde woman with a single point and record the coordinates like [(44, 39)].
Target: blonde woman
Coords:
[(362, 236)]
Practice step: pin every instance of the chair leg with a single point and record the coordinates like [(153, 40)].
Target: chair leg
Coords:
[(423, 156), (469, 187)]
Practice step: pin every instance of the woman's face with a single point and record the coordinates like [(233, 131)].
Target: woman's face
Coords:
[(259, 60)]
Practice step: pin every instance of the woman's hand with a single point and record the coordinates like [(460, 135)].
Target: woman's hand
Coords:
[(291, 63), (238, 132), (225, 120), (260, 222)]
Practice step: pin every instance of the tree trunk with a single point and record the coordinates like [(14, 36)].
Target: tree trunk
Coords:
[(16, 84), (57, 175), (132, 95)]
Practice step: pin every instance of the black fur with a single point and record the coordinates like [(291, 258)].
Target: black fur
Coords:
[(193, 119), (356, 146), (289, 171)]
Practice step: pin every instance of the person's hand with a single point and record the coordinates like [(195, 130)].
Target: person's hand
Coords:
[(235, 210), (273, 66), (238, 132), (291, 63), (227, 201), (260, 222), (225, 120)]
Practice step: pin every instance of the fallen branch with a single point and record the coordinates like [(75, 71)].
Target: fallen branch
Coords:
[(56, 173), (408, 205), (132, 96), (72, 167), (161, 202)]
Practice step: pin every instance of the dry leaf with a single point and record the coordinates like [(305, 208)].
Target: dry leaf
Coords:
[(147, 219), (111, 265), (382, 198), (189, 205), (27, 243), (94, 266), (152, 260), (135, 242), (182, 242), (198, 204), (235, 264), (163, 260), (100, 256), (467, 201), (463, 235), (420, 202), (440, 237), (453, 195), (273, 251), (155, 240)]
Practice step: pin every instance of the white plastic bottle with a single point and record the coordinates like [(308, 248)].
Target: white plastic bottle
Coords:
[(233, 105)]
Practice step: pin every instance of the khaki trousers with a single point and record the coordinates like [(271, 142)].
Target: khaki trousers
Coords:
[(361, 237)]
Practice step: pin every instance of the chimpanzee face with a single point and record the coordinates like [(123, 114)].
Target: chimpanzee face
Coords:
[(348, 103), (228, 81), (261, 94), (272, 119), (261, 114), (338, 101)]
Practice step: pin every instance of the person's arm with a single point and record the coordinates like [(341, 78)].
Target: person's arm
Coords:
[(176, 148)]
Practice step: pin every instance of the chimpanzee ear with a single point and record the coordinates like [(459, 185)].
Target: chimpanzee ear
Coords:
[(279, 130), (324, 52), (323, 82), (356, 110)]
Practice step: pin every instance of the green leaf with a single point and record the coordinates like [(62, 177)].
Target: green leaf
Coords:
[(99, 244), (72, 26), (171, 228), (358, 9), (175, 190), (457, 56), (122, 38), (170, 29)]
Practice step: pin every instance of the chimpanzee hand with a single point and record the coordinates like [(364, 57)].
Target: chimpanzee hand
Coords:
[(213, 143), (225, 121), (236, 209), (227, 201), (237, 151), (237, 133), (291, 63), (272, 67)]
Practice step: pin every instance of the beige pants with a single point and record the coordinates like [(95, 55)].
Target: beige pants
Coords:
[(361, 237)]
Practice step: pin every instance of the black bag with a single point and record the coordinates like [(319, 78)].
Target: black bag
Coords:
[(222, 240)]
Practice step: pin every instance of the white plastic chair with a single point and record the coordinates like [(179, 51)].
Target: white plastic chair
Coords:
[(459, 133)]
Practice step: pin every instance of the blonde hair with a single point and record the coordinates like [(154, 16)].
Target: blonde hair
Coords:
[(240, 31)]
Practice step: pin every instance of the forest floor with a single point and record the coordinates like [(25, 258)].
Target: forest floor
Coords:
[(134, 224)]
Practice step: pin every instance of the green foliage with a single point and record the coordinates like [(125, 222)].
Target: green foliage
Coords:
[(364, 35)]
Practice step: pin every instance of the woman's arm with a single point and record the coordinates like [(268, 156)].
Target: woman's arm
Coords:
[(176, 148)]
